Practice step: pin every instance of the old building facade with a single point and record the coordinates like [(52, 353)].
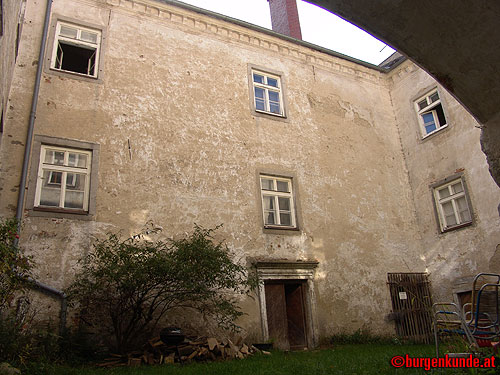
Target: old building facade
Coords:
[(326, 173)]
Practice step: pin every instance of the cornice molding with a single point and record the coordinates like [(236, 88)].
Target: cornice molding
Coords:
[(238, 33)]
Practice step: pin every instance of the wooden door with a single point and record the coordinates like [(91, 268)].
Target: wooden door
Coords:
[(295, 313), (276, 315), (411, 305), (286, 318)]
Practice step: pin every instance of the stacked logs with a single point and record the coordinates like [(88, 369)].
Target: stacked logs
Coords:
[(156, 352)]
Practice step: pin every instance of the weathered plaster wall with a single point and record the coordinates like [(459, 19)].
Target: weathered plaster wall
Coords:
[(458, 253), (175, 86), (8, 35)]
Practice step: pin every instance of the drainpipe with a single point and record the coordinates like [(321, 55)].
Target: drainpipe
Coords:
[(27, 154)]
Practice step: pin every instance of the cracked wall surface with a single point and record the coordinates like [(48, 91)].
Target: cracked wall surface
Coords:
[(179, 144)]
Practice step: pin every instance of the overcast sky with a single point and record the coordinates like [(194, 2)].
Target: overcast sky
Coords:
[(318, 26)]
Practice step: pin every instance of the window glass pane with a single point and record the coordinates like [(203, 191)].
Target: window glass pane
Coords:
[(274, 108), (268, 202), (87, 36), (444, 193), (274, 96), (457, 188), (69, 32), (463, 210), (422, 104), (274, 102), (269, 218), (77, 160), (267, 184), (50, 193), (54, 178), (258, 78), (54, 157), (449, 214), (434, 97), (260, 102), (284, 203), (285, 218), (429, 123), (282, 186), (259, 93), (272, 82), (75, 190)]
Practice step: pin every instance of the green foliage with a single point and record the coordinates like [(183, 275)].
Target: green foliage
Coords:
[(127, 286), (14, 266)]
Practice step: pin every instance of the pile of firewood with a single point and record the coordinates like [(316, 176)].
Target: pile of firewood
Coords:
[(156, 352)]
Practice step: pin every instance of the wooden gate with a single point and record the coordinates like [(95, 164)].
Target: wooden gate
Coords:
[(411, 305)]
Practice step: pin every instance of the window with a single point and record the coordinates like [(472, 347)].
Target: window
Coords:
[(76, 49), (277, 202), (452, 204), (430, 113), (63, 180), (267, 93)]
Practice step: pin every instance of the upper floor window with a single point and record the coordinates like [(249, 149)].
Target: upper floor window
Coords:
[(452, 204), (63, 178), (76, 49), (267, 93), (430, 113), (277, 202)]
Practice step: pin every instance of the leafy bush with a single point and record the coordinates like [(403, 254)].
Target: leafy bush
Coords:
[(14, 266), (125, 287)]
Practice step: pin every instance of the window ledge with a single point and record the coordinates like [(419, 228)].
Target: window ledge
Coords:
[(270, 113), (62, 213), (449, 229), (279, 227), (434, 132)]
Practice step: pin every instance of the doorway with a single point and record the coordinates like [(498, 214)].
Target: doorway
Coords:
[(286, 313)]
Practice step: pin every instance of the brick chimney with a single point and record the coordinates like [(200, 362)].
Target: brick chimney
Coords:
[(285, 17)]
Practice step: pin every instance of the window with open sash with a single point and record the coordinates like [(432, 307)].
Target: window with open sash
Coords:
[(277, 202), (453, 205), (267, 93), (430, 113), (63, 179), (76, 49)]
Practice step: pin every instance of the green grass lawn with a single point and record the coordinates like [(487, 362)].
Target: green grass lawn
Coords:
[(340, 359)]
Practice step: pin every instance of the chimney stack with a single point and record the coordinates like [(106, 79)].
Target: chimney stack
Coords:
[(285, 17)]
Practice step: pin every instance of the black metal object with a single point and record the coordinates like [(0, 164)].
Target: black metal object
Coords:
[(173, 336)]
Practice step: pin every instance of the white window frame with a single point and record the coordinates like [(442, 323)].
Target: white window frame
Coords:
[(78, 42), (430, 109), (268, 88), (275, 194), (64, 169), (452, 198)]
